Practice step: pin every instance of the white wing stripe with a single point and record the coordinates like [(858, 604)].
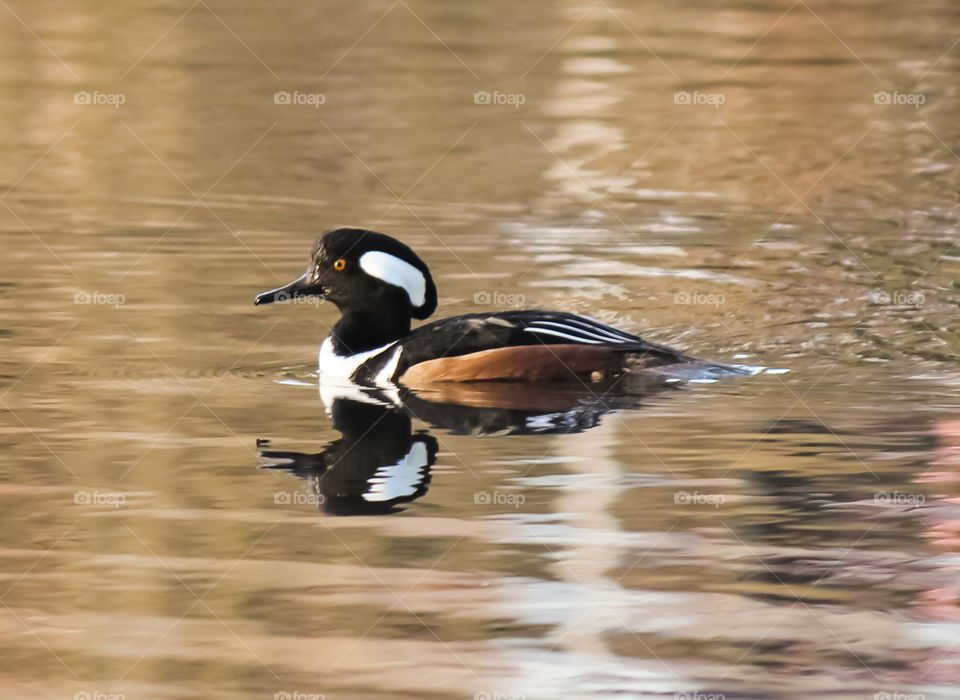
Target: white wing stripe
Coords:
[(547, 331), (598, 328), (583, 333), (579, 332)]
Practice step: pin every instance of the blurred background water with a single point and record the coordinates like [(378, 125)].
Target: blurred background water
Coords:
[(771, 183)]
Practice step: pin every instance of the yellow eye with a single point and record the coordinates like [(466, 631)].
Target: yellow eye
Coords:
[(339, 265)]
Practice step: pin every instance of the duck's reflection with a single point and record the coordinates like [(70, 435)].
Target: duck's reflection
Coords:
[(513, 409), (378, 464), (381, 463)]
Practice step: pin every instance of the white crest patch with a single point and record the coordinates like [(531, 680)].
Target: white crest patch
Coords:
[(397, 272)]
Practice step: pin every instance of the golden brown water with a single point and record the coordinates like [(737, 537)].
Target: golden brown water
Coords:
[(727, 179)]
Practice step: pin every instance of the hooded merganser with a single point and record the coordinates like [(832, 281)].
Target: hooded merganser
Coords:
[(380, 285)]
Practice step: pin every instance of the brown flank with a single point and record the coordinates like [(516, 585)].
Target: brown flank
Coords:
[(525, 363)]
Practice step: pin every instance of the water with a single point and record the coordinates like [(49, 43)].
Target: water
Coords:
[(724, 179)]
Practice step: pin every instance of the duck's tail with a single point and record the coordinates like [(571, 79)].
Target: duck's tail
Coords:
[(699, 372)]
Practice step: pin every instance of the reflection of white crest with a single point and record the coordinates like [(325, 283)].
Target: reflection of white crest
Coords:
[(400, 479)]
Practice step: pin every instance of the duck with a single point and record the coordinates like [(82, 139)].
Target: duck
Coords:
[(381, 286)]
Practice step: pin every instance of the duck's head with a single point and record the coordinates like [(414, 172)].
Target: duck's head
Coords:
[(366, 273)]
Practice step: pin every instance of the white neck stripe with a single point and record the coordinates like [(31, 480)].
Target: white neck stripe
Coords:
[(343, 366)]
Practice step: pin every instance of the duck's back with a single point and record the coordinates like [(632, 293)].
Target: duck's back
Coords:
[(528, 345)]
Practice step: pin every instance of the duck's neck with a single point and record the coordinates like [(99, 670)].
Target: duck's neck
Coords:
[(364, 329)]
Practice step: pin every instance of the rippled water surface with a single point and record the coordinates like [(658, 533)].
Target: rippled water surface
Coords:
[(766, 183)]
